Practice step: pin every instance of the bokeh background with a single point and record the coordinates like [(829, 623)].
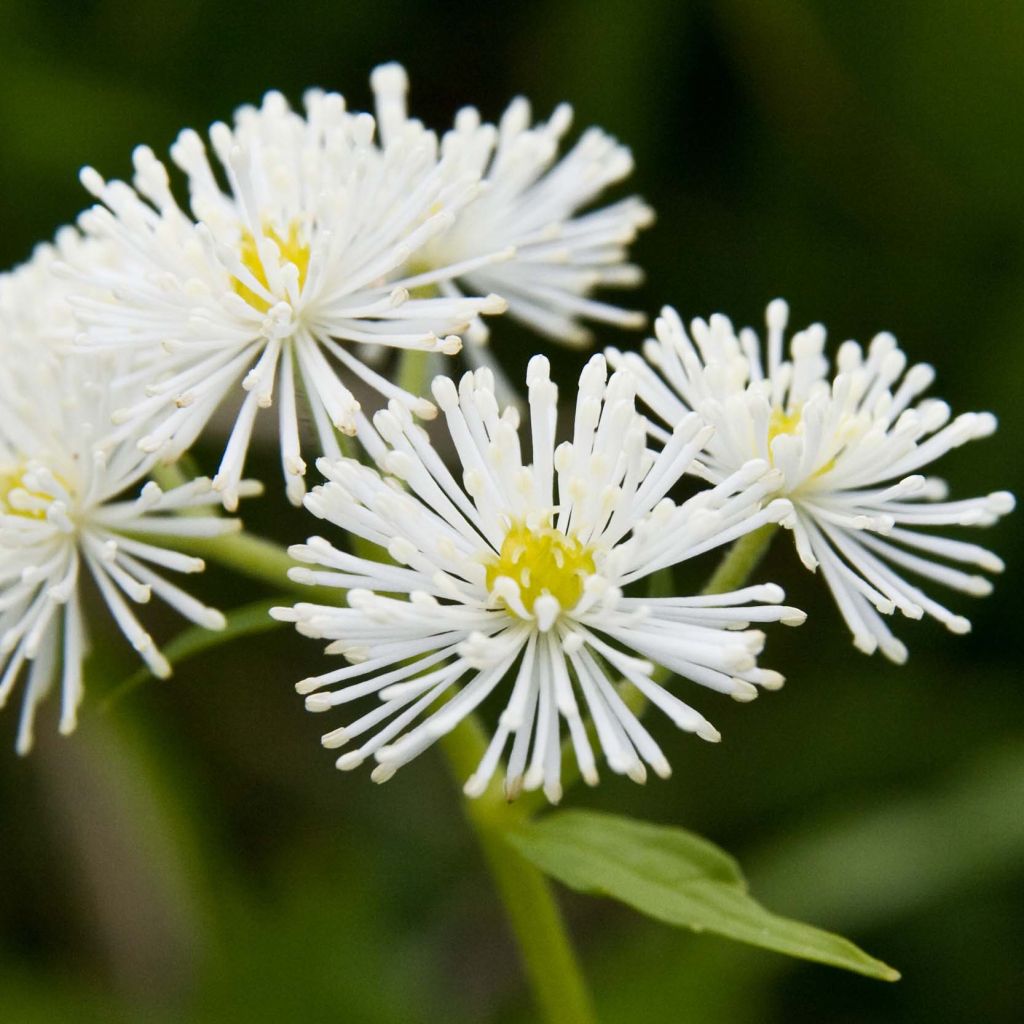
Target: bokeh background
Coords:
[(192, 856)]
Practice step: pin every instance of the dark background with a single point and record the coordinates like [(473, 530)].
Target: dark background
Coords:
[(192, 856)]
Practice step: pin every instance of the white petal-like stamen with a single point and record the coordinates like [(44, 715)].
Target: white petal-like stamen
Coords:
[(848, 447), (518, 573)]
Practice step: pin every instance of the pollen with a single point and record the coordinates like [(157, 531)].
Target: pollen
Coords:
[(31, 505), (543, 560), (782, 422), (292, 250)]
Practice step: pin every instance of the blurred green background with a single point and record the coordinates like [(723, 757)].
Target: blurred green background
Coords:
[(192, 856)]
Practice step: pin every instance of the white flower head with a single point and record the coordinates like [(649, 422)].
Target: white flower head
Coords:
[(70, 508), (519, 571), (529, 208), (849, 445), (282, 274)]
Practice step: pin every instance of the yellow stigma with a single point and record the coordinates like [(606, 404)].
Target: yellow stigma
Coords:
[(543, 560), (12, 479), (783, 423), (292, 250)]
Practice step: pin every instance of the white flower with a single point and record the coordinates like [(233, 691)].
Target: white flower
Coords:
[(64, 514), (850, 449), (530, 205), (276, 281), (520, 572)]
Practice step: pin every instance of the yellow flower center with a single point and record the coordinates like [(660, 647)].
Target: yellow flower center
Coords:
[(782, 422), (12, 479), (543, 560), (292, 249)]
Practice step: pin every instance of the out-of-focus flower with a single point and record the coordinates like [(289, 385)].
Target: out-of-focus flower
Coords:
[(519, 572), (70, 508), (849, 446), (534, 204)]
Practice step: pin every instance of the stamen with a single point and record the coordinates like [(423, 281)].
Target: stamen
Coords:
[(290, 250), (21, 493), (542, 560)]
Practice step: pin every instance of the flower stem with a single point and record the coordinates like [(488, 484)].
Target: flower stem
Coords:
[(413, 368), (258, 559), (533, 913), (551, 965), (740, 561)]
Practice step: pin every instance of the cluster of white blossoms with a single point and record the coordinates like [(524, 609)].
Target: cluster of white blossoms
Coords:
[(278, 261), (73, 502), (520, 571), (313, 259), (849, 448)]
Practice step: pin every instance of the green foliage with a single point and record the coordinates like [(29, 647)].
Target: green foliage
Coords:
[(676, 877)]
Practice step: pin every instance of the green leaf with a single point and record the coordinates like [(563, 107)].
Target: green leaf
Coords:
[(676, 877), (248, 620)]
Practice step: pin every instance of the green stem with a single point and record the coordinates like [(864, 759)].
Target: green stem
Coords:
[(412, 372), (740, 561), (258, 559), (548, 956), (246, 553), (536, 920)]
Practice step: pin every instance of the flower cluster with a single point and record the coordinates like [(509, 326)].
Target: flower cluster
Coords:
[(324, 258), (332, 240), (311, 244), (522, 570)]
